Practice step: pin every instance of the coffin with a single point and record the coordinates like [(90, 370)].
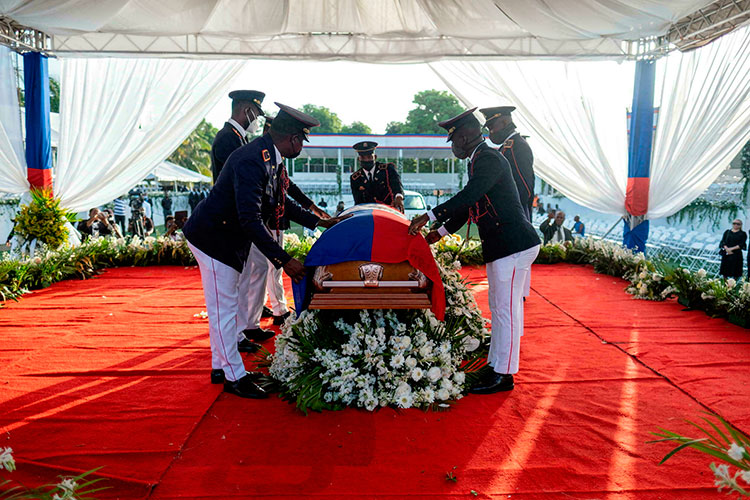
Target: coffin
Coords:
[(370, 285)]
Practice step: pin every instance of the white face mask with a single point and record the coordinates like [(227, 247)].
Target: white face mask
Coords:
[(252, 127)]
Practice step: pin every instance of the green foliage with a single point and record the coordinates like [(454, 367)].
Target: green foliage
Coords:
[(195, 151), (19, 276), (70, 488), (54, 95), (745, 169), (728, 445), (43, 219), (356, 128), (330, 123), (432, 106), (716, 212)]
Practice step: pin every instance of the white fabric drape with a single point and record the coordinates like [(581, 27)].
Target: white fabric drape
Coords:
[(704, 120), (12, 157), (371, 30), (121, 117), (575, 114)]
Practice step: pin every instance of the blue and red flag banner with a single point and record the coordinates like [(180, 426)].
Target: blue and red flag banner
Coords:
[(38, 142), (374, 233)]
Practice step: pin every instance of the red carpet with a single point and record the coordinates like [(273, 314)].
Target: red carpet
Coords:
[(113, 372)]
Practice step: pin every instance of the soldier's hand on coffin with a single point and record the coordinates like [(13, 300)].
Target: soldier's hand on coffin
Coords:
[(319, 212), (432, 237), (332, 221), (398, 203), (418, 223), (295, 270)]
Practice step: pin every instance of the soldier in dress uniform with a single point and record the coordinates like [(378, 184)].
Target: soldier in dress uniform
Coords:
[(509, 242), (251, 188), (515, 149), (260, 277), (246, 108), (375, 182)]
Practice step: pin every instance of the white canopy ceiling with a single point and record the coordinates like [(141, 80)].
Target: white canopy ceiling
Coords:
[(364, 30)]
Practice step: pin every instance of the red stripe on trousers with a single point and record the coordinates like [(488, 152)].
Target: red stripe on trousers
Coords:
[(510, 355)]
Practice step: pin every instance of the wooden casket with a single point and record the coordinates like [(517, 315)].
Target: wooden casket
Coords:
[(370, 285)]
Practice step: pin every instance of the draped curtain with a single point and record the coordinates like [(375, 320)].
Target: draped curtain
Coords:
[(12, 159), (121, 117), (704, 120), (574, 112)]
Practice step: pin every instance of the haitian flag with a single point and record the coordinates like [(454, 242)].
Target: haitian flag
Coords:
[(374, 233)]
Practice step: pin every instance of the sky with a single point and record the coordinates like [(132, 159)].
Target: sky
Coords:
[(374, 94)]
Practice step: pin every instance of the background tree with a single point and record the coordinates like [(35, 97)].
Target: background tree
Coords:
[(356, 128), (195, 151), (330, 123), (432, 106)]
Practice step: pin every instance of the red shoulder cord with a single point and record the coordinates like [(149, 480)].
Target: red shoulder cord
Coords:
[(281, 198), (387, 182), (475, 211), (515, 164)]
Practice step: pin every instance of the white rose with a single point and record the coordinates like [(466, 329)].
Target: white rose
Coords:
[(701, 273), (471, 344), (459, 377), (443, 395), (434, 374), (403, 388), (411, 363), (425, 351), (731, 282)]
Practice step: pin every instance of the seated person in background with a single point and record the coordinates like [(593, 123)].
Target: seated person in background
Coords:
[(96, 225), (140, 225), (579, 228), (172, 231), (554, 231), (339, 208)]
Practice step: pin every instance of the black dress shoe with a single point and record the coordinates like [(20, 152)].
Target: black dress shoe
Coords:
[(498, 382), (246, 346), (279, 320), (245, 388), (258, 334), (267, 312), (217, 376)]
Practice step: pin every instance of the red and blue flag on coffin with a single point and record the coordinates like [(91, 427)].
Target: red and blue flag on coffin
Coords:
[(374, 233)]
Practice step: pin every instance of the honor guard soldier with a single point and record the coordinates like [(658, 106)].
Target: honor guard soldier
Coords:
[(260, 278), (375, 182), (251, 188), (509, 242), (246, 108), (515, 149)]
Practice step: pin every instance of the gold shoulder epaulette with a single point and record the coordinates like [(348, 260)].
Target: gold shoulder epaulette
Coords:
[(356, 175)]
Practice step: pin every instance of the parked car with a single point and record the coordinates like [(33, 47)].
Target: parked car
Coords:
[(414, 204)]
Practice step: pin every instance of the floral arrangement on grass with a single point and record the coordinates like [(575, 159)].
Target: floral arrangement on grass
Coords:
[(69, 488), (43, 219), (453, 247), (728, 445), (375, 358)]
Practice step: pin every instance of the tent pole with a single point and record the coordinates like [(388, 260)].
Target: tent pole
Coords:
[(635, 230)]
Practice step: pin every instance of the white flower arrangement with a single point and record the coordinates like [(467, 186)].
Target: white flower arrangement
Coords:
[(375, 358)]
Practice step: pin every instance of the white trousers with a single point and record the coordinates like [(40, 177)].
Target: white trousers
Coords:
[(257, 273), (507, 278), (220, 289), (275, 282)]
